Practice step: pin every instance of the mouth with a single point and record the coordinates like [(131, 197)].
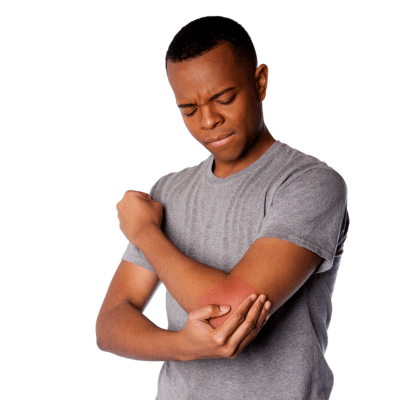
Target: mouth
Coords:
[(222, 142)]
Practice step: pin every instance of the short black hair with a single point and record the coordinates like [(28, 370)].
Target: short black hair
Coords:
[(203, 34)]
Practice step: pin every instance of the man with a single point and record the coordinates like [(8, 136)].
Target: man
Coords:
[(256, 217)]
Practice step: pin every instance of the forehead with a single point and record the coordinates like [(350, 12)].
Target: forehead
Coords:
[(205, 75)]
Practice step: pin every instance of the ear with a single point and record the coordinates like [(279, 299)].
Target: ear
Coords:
[(261, 80)]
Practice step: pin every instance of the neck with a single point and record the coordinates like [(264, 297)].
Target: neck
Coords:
[(262, 142)]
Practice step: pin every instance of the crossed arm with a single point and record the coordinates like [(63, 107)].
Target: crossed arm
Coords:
[(275, 267)]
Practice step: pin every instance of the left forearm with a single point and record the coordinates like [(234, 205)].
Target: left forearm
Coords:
[(186, 279)]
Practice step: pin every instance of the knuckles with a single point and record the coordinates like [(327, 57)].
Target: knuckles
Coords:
[(229, 353), (212, 308), (251, 325), (192, 316), (130, 193), (240, 317), (219, 340)]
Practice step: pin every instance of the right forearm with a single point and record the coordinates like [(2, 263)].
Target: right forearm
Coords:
[(126, 332)]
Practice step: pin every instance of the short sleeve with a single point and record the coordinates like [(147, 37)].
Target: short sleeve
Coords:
[(308, 211), (132, 253)]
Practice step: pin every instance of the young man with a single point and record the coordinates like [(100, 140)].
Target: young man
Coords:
[(255, 217)]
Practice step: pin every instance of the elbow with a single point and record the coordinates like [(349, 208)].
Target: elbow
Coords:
[(100, 334), (231, 292), (100, 345)]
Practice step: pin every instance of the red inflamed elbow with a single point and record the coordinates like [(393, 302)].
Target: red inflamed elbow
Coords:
[(232, 292)]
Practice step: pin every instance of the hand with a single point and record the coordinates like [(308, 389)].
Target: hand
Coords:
[(201, 340), (137, 213)]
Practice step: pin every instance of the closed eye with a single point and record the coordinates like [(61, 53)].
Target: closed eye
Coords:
[(219, 102), (227, 102)]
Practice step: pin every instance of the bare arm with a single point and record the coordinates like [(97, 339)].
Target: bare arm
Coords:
[(185, 278), (128, 333), (271, 266), (121, 327), (192, 283)]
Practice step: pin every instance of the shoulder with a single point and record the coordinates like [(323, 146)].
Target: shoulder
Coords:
[(298, 168), (178, 181), (315, 191), (298, 176)]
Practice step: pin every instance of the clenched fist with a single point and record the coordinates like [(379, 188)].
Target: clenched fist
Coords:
[(137, 213)]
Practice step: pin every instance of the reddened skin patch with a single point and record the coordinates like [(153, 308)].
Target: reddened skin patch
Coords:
[(230, 292)]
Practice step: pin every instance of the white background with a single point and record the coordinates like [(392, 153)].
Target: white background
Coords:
[(87, 113)]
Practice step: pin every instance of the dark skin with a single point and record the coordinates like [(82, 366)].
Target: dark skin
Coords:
[(272, 266), (194, 82)]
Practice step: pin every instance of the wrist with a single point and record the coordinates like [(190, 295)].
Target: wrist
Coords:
[(182, 347), (148, 237)]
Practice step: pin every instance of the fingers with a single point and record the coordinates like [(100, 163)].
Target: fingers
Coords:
[(210, 311), (248, 312), (251, 336), (249, 327), (262, 319), (252, 324), (267, 307), (262, 314)]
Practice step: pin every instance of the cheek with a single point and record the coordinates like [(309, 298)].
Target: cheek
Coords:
[(253, 113), (191, 127), (243, 115), (193, 130)]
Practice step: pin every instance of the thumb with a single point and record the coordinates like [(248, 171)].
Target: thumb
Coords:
[(217, 310), (209, 311), (224, 309)]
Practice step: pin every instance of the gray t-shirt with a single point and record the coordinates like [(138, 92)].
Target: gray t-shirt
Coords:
[(285, 194)]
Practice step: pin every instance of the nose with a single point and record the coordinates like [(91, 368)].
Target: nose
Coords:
[(209, 118)]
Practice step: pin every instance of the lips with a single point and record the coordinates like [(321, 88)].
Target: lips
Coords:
[(218, 137)]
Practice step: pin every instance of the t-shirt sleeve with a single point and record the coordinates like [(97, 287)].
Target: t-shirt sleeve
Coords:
[(308, 211), (132, 253)]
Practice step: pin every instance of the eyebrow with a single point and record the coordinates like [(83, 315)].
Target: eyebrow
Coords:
[(210, 99)]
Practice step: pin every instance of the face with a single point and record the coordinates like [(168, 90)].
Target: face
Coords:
[(218, 96)]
